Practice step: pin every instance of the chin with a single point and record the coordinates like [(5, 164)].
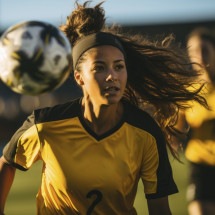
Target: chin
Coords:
[(111, 101)]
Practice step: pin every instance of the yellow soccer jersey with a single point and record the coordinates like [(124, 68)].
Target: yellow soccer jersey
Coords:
[(84, 173), (201, 146)]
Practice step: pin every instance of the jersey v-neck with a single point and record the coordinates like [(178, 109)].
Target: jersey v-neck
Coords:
[(107, 133)]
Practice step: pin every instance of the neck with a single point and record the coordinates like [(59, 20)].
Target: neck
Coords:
[(101, 118)]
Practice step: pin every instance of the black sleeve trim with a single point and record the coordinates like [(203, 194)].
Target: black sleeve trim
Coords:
[(166, 184), (9, 150)]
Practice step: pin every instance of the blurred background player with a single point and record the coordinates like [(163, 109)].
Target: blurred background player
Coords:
[(200, 150), (96, 148)]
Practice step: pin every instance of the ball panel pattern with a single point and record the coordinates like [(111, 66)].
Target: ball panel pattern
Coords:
[(35, 57)]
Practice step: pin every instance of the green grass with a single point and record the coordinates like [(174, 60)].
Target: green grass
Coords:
[(177, 201), (21, 200)]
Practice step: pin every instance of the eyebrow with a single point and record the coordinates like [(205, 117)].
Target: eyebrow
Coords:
[(102, 62)]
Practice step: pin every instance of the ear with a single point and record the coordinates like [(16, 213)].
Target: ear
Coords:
[(78, 78)]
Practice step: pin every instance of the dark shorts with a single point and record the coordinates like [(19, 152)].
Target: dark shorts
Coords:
[(201, 182)]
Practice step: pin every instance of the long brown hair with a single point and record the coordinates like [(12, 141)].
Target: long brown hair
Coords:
[(160, 77)]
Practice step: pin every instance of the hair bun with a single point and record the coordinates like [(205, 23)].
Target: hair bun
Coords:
[(84, 20)]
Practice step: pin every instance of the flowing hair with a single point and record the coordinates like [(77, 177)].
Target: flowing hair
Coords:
[(160, 76)]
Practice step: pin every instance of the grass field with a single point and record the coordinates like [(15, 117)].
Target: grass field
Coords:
[(21, 200)]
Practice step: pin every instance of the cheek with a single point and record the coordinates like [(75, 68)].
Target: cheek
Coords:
[(125, 77), (92, 82)]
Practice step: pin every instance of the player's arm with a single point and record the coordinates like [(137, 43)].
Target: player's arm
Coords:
[(159, 167), (7, 173), (159, 206)]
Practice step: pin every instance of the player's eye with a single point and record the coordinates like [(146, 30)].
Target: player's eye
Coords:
[(119, 67), (98, 68)]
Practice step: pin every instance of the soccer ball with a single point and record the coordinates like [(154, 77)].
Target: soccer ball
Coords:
[(35, 57)]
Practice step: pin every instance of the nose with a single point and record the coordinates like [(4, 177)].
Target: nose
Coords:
[(111, 75)]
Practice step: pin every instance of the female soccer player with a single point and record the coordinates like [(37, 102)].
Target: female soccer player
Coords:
[(96, 148), (200, 150)]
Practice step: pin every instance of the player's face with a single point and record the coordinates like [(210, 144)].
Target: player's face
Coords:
[(103, 75), (203, 53)]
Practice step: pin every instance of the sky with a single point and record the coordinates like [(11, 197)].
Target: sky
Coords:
[(117, 11)]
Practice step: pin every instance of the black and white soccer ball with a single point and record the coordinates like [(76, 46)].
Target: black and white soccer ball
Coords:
[(35, 57)]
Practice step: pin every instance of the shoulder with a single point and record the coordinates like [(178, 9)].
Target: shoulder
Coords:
[(140, 118), (58, 112)]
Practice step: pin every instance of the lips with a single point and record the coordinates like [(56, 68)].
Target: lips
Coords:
[(111, 89)]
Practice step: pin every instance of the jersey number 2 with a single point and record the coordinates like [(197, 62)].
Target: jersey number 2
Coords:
[(98, 198)]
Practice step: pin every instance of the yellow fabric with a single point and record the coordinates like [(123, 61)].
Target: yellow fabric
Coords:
[(197, 113), (31, 147), (108, 164), (89, 174), (199, 149)]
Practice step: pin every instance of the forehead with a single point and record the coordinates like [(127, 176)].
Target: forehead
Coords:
[(105, 51)]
